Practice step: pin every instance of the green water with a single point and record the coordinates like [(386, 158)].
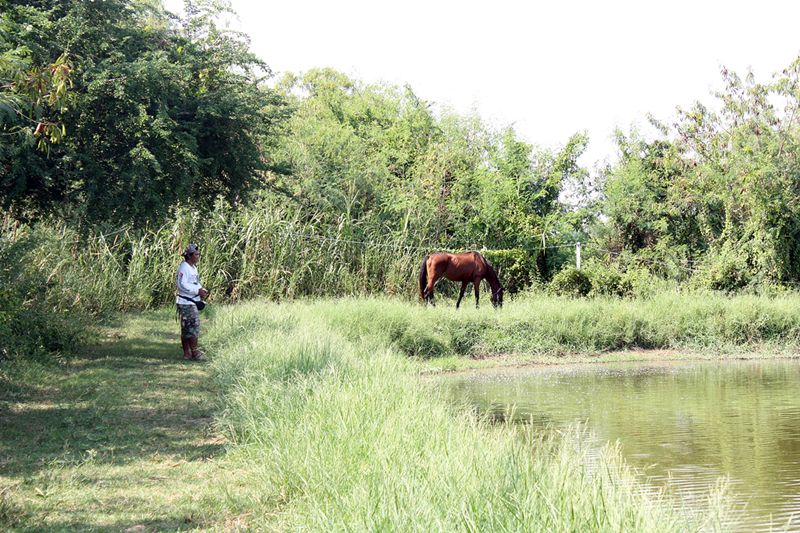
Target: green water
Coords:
[(684, 425)]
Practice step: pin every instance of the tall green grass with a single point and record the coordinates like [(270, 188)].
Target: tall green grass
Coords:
[(332, 431), (263, 252), (540, 324), (35, 322), (260, 251)]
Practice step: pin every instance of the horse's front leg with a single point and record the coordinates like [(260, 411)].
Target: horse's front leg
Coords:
[(477, 284), (463, 289)]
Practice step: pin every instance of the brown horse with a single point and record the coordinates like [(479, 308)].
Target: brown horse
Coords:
[(466, 267)]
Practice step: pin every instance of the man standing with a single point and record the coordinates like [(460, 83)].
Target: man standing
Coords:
[(189, 291)]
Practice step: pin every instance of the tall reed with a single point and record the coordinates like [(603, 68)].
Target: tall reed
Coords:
[(260, 251)]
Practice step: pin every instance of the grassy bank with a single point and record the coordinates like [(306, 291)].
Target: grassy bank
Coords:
[(553, 330), (334, 431)]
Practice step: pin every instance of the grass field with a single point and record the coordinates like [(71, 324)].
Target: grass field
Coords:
[(312, 416), (542, 329)]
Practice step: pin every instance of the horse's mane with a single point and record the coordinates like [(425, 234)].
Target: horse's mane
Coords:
[(491, 273)]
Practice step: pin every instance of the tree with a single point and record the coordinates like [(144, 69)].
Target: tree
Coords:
[(166, 112), (719, 188)]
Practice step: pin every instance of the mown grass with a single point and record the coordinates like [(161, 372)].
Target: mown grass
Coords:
[(120, 437)]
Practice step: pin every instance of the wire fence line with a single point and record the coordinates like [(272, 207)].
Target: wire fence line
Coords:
[(424, 247), (11, 227), (339, 240), (428, 248), (102, 237)]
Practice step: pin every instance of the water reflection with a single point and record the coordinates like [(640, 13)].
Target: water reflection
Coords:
[(684, 425)]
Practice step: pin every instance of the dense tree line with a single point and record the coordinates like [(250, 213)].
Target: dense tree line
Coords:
[(378, 160), (116, 112), (718, 191)]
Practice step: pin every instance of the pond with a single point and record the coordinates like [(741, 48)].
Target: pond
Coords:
[(684, 425)]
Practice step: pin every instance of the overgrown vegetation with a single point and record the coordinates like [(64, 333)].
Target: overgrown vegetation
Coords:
[(335, 429), (37, 319), (128, 131), (145, 113), (539, 325)]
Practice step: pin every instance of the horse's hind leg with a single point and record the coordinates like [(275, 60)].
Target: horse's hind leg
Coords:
[(463, 288), (428, 295)]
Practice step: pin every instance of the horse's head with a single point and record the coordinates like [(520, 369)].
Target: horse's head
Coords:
[(497, 297)]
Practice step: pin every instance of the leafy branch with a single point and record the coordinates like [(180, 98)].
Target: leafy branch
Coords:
[(32, 97)]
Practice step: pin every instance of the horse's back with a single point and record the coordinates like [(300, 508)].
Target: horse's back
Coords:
[(465, 266), (472, 261)]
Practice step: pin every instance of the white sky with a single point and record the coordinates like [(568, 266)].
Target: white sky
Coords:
[(549, 68)]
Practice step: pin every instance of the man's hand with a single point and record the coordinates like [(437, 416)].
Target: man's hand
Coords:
[(203, 293)]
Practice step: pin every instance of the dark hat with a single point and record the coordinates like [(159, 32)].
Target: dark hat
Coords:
[(192, 248)]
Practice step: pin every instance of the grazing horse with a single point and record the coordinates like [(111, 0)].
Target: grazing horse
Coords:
[(466, 267)]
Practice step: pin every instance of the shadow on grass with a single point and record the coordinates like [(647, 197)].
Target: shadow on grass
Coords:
[(173, 523), (127, 399)]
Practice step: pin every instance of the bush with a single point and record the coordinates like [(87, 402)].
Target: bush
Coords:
[(515, 267), (606, 280), (571, 282), (727, 271), (619, 280), (33, 323), (641, 283)]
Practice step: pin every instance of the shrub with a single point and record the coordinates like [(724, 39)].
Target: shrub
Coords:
[(727, 271), (606, 280), (641, 283), (516, 268), (33, 322), (626, 281), (571, 282)]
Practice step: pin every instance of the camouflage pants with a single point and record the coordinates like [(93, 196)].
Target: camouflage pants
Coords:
[(190, 321)]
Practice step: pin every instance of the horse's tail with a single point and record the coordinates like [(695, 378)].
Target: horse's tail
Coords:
[(423, 277)]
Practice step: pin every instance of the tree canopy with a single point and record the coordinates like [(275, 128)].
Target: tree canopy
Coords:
[(162, 111)]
